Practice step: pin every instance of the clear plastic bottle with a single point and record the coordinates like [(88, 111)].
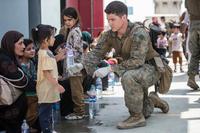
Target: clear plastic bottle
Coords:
[(24, 127), (99, 87), (69, 55), (111, 81), (92, 102), (70, 58), (92, 92)]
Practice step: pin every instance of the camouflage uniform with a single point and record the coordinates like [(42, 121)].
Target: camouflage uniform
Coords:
[(136, 69), (193, 7)]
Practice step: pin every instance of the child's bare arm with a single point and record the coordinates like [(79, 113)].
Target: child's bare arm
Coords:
[(55, 83), (49, 77)]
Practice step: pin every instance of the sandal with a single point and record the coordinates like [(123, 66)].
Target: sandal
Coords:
[(73, 116)]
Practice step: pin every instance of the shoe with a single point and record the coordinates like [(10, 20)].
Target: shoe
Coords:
[(159, 103), (192, 84), (73, 116), (132, 122), (175, 70), (181, 70)]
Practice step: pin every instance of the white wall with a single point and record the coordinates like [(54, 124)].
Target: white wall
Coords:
[(50, 13), (182, 7), (141, 9), (14, 16)]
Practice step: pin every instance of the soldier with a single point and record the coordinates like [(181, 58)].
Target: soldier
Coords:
[(194, 41), (132, 45)]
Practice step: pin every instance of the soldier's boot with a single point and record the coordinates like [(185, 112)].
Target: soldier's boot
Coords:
[(192, 83), (159, 103), (148, 108), (135, 120)]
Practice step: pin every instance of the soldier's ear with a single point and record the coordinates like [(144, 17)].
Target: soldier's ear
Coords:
[(124, 17)]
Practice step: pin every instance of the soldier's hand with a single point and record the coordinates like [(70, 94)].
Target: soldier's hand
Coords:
[(102, 72)]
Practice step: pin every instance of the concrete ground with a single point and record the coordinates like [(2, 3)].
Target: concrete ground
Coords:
[(183, 117)]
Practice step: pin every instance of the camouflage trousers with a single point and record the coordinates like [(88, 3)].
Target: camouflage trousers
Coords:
[(135, 84), (194, 47)]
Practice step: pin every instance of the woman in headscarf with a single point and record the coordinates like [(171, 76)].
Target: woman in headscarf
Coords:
[(12, 47)]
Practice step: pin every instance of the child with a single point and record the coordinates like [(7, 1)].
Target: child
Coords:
[(74, 43), (162, 44), (29, 68), (177, 49), (48, 88)]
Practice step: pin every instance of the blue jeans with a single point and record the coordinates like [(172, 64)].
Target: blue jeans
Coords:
[(45, 117)]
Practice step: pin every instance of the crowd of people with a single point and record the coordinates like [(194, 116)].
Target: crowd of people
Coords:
[(127, 49)]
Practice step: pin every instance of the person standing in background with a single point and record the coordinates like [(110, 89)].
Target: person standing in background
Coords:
[(162, 43), (193, 8), (177, 49)]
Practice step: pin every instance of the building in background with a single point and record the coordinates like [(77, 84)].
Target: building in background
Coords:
[(23, 15), (168, 6)]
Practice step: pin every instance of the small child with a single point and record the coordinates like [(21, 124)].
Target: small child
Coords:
[(29, 68), (177, 49), (162, 43), (48, 88)]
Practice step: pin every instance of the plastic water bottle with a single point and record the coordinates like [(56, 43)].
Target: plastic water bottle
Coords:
[(92, 92), (92, 102), (99, 87), (25, 127), (56, 112), (70, 58), (69, 55), (111, 81)]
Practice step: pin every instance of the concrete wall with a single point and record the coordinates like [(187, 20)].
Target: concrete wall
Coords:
[(14, 16), (50, 13), (23, 15)]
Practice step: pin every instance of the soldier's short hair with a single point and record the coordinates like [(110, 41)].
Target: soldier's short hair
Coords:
[(116, 7)]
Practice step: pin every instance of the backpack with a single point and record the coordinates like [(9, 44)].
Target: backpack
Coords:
[(166, 78)]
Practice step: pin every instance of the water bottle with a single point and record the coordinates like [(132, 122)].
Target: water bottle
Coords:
[(99, 87), (92, 102), (56, 112), (25, 127), (70, 58), (111, 81), (69, 55), (92, 91)]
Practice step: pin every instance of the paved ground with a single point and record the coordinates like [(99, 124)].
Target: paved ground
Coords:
[(183, 117)]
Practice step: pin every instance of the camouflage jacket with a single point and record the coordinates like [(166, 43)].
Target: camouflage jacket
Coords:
[(134, 47), (74, 41)]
